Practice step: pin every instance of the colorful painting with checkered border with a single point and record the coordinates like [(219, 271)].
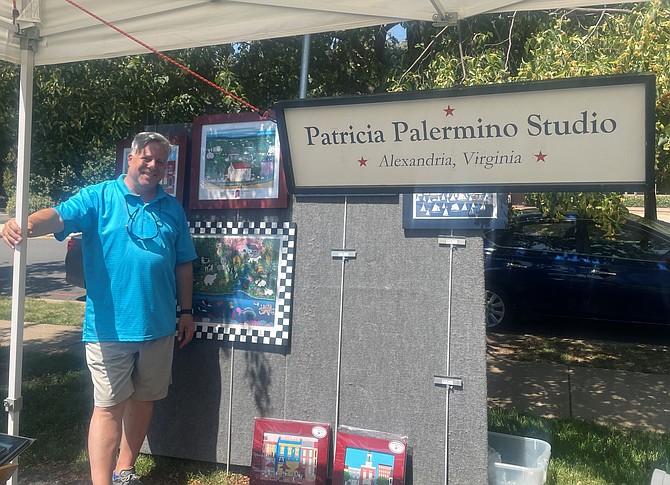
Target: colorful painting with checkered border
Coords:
[(243, 281)]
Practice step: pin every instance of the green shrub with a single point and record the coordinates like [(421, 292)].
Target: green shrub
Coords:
[(35, 203), (662, 200)]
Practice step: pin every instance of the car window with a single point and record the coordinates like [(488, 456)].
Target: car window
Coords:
[(633, 242), (558, 236)]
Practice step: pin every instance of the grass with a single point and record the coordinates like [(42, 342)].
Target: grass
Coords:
[(46, 311), (58, 400), (582, 452), (57, 396), (585, 453)]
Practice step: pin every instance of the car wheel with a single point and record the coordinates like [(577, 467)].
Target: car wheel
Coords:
[(499, 310)]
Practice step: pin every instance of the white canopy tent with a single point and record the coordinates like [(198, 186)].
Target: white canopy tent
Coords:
[(67, 34), (43, 32)]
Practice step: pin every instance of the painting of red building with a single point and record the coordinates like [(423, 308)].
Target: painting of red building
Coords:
[(284, 457), (385, 471)]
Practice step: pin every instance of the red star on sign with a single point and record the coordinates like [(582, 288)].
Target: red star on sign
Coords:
[(362, 162), (449, 111), (541, 157)]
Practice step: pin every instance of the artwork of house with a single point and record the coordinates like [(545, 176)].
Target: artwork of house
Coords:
[(289, 452), (249, 249), (239, 171), (369, 471), (289, 458)]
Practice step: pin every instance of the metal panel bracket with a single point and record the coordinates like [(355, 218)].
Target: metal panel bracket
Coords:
[(451, 241), (343, 254), (450, 382)]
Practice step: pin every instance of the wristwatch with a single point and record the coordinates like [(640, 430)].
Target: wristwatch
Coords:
[(185, 311)]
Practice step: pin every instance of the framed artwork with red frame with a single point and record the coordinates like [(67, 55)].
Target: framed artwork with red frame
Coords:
[(363, 456), (122, 152), (236, 163), (289, 452), (175, 170)]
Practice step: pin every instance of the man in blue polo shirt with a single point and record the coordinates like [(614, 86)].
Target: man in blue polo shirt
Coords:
[(138, 257)]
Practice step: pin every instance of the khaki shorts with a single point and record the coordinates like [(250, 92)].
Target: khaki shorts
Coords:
[(121, 370)]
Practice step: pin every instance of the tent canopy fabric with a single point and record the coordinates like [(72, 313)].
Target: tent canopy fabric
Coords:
[(68, 34), (65, 33)]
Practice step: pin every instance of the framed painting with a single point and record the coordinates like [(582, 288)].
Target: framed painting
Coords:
[(122, 152), (243, 281), (364, 456), (173, 179), (289, 452), (236, 163), (448, 210)]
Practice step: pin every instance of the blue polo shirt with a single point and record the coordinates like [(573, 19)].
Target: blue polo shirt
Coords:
[(130, 250)]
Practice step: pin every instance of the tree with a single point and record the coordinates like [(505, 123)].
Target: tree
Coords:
[(8, 107), (619, 42), (82, 109), (563, 44), (341, 63)]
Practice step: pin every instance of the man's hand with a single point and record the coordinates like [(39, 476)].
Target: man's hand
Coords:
[(11, 233), (45, 221), (185, 329)]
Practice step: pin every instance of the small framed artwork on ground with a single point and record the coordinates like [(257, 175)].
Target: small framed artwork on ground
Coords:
[(236, 163), (371, 457), (243, 281), (173, 179), (445, 210), (289, 452)]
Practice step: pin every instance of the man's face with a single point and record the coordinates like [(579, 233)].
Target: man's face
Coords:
[(147, 166)]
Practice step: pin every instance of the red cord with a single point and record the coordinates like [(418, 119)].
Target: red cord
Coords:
[(15, 12), (181, 66)]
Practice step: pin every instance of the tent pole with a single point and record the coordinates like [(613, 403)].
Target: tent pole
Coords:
[(304, 66), (13, 403)]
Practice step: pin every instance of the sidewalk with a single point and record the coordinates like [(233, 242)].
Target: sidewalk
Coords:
[(42, 337), (662, 213), (624, 399)]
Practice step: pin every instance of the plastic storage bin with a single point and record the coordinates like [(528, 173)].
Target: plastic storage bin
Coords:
[(658, 478), (517, 460)]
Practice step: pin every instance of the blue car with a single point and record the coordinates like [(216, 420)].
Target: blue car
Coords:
[(568, 268)]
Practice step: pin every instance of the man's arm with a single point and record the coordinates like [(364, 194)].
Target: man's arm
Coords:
[(45, 221), (184, 278)]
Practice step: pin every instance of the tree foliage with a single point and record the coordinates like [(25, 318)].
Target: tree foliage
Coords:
[(341, 63), (558, 45), (9, 75), (82, 109)]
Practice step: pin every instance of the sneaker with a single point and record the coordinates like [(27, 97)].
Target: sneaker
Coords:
[(128, 477)]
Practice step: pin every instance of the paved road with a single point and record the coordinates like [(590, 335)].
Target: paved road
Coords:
[(45, 272)]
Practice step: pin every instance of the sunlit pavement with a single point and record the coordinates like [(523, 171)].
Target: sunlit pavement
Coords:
[(625, 399), (41, 337)]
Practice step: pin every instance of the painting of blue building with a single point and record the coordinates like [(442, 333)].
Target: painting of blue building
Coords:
[(288, 458)]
